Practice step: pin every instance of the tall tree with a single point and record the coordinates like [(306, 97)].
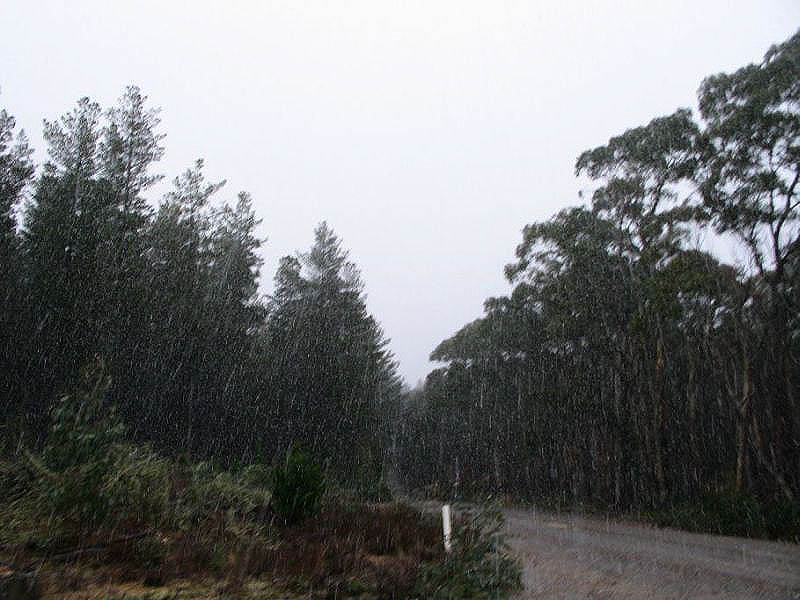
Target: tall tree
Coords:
[(641, 371), (130, 145), (330, 362), (752, 155), (72, 144), (16, 172), (749, 183)]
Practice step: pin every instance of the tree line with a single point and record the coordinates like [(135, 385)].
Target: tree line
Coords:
[(631, 367), (166, 294)]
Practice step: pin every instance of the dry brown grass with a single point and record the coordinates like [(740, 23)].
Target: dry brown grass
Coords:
[(376, 547), (362, 550)]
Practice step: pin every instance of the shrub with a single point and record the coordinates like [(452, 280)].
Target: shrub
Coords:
[(208, 491), (78, 455), (479, 565), (725, 512), (297, 488), (139, 486), (257, 475)]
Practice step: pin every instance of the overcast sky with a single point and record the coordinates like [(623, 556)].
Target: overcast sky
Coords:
[(427, 133)]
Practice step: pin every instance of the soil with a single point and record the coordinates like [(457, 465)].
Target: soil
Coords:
[(569, 556)]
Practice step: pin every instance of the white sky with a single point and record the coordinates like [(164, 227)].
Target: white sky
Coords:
[(426, 133)]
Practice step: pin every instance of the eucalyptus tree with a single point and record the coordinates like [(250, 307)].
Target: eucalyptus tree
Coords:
[(749, 182), (584, 293), (641, 172), (752, 156), (645, 370)]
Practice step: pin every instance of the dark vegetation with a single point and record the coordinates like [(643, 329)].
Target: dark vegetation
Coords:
[(631, 370), (199, 363), (153, 404), (297, 487), (91, 509)]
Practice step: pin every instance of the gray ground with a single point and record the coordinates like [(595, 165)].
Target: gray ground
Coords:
[(568, 556)]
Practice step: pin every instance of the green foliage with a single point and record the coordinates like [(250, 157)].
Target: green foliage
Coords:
[(78, 456), (383, 493), (479, 565), (297, 487), (210, 491), (257, 475), (139, 487), (86, 478), (751, 154), (186, 518)]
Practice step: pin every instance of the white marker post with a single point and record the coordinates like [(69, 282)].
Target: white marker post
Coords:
[(446, 526)]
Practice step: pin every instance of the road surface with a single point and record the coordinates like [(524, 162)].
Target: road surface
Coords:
[(568, 556)]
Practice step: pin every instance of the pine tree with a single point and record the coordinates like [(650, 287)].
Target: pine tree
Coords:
[(330, 360), (16, 171)]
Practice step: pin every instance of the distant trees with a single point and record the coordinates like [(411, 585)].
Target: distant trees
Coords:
[(168, 295), (629, 368)]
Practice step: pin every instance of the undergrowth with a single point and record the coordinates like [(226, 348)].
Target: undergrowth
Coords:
[(297, 487), (479, 565), (113, 511), (729, 513)]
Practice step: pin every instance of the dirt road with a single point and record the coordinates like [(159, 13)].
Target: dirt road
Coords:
[(568, 556)]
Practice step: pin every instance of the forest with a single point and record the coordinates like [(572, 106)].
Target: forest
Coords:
[(631, 368), (167, 297)]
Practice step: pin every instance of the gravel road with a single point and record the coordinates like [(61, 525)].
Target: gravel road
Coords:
[(567, 556)]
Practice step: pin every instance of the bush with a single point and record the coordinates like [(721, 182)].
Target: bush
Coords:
[(297, 488), (139, 486), (726, 512), (479, 565), (208, 491), (78, 455)]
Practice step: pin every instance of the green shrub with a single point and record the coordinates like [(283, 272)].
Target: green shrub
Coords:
[(297, 488), (479, 565), (16, 479), (209, 491), (83, 426), (139, 486), (78, 455)]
